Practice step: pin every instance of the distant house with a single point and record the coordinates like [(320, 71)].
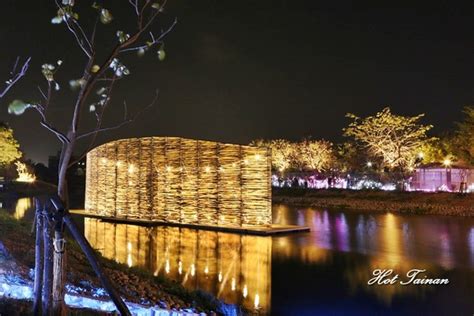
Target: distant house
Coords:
[(438, 177)]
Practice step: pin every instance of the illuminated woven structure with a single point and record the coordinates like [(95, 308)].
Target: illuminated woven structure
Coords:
[(176, 180)]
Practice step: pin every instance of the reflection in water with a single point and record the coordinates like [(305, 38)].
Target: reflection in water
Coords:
[(471, 244), (235, 268), (22, 205), (330, 264)]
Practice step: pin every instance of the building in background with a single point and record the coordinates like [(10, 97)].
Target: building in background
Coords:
[(443, 177)]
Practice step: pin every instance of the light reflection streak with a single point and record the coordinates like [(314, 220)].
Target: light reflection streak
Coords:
[(233, 267), (22, 205)]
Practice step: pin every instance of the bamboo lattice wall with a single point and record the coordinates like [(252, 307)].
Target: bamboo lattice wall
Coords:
[(180, 180)]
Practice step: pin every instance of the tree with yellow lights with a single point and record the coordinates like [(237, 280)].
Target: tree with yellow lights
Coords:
[(394, 139), (282, 152), (9, 147), (313, 155)]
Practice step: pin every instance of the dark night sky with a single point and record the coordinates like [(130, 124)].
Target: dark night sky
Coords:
[(239, 70)]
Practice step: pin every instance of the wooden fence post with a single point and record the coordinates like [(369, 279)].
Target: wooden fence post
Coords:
[(38, 257), (89, 252), (47, 262)]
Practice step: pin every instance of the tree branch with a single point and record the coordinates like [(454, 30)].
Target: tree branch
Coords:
[(15, 76), (126, 121)]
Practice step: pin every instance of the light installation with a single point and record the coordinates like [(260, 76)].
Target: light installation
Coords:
[(23, 174), (177, 180)]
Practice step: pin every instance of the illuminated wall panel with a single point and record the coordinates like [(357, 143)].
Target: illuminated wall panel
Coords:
[(180, 181)]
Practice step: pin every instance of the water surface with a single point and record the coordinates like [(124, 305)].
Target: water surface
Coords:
[(321, 272)]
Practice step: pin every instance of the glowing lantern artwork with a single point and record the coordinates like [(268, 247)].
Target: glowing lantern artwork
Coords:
[(23, 174), (177, 180)]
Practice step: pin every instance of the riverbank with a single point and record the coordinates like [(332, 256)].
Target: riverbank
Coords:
[(135, 285), (15, 190), (441, 203)]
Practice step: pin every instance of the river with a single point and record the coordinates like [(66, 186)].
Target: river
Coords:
[(321, 272)]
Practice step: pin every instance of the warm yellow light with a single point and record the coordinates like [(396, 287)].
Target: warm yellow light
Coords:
[(23, 174), (447, 162), (104, 160), (22, 205), (421, 155), (180, 171), (180, 267), (193, 269), (232, 284), (167, 266), (220, 277), (118, 163), (206, 270)]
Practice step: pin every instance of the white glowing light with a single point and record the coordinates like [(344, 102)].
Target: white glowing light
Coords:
[(131, 168), (232, 284), (206, 270), (220, 277), (447, 162), (129, 254), (167, 266), (193, 269), (245, 291), (369, 164), (180, 267), (257, 301)]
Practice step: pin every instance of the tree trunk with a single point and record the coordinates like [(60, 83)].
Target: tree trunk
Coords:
[(47, 264), (59, 264), (38, 258), (59, 241)]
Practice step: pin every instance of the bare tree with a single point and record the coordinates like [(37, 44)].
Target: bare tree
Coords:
[(94, 91)]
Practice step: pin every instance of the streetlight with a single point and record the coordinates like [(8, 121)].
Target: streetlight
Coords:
[(447, 162), (369, 164)]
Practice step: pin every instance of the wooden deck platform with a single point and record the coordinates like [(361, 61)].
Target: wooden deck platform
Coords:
[(249, 230)]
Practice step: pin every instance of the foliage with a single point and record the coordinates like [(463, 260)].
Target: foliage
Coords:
[(435, 151), (395, 139), (9, 147), (308, 154), (281, 152), (348, 157), (313, 155), (463, 140)]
